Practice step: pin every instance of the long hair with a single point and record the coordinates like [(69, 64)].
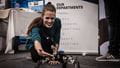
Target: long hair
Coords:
[(38, 21)]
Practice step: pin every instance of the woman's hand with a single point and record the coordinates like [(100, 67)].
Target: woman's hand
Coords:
[(43, 53), (54, 62), (55, 49), (40, 50)]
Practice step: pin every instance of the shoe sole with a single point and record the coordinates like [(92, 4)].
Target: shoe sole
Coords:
[(113, 60)]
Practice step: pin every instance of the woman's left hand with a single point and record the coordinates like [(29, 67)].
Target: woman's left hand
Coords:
[(54, 62), (55, 49)]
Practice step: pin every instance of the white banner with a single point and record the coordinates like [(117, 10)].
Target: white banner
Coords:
[(79, 25)]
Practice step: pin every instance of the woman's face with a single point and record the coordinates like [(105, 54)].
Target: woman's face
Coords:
[(48, 19)]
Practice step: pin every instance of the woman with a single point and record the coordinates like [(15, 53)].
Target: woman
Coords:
[(44, 34)]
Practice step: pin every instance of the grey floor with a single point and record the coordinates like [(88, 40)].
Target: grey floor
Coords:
[(20, 60)]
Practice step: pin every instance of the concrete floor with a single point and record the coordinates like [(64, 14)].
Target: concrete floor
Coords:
[(20, 60)]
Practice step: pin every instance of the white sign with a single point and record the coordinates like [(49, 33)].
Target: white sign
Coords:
[(79, 25), (36, 5)]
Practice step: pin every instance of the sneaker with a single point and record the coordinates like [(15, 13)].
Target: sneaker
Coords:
[(107, 58)]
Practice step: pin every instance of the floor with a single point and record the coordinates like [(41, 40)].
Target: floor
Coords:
[(20, 60)]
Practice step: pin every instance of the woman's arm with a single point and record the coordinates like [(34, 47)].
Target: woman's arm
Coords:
[(37, 42), (39, 49), (57, 34)]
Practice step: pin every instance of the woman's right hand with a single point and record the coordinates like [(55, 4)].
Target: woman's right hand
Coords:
[(40, 51), (43, 53)]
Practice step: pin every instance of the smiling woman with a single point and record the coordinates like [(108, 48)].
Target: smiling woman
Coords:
[(48, 19), (44, 34)]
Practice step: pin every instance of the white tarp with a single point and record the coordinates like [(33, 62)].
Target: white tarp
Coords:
[(10, 33)]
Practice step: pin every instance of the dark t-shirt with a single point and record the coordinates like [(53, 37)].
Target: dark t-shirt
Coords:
[(46, 36)]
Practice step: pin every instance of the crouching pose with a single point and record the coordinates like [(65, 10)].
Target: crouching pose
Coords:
[(44, 35)]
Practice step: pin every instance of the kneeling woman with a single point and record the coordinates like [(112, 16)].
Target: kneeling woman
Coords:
[(44, 34)]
